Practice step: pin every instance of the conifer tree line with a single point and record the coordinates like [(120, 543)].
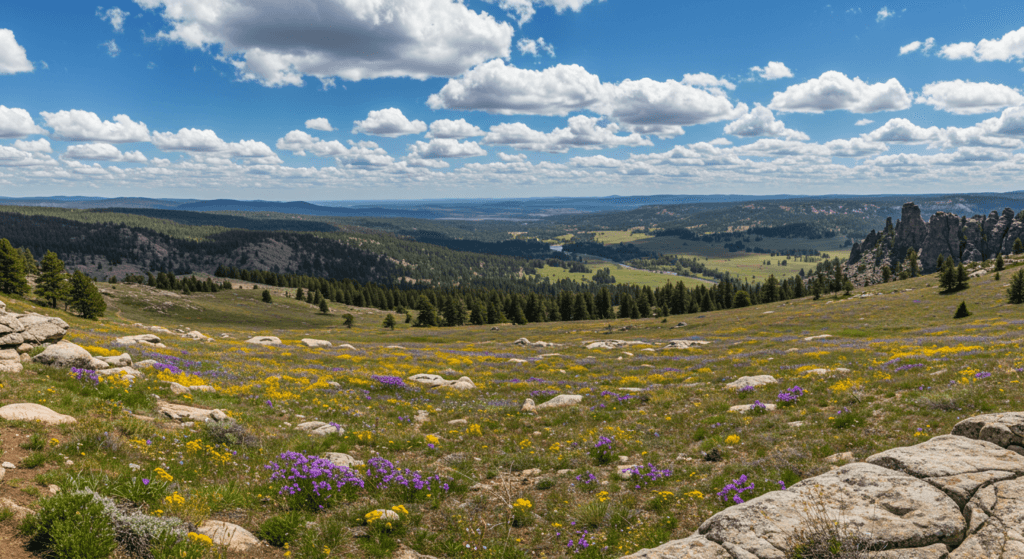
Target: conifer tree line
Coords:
[(52, 283)]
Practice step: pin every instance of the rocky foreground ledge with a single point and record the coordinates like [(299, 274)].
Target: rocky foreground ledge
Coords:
[(956, 496)]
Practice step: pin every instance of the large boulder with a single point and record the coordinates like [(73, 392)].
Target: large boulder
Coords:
[(264, 340), (753, 382), (65, 355), (956, 465), (123, 360), (197, 336), (996, 516), (434, 381), (684, 344), (310, 342), (232, 536), (139, 339), (343, 460), (187, 413), (34, 412), (888, 509), (611, 344), (41, 329), (693, 547), (1003, 429)]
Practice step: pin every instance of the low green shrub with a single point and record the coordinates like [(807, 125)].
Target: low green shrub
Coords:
[(281, 529), (71, 526)]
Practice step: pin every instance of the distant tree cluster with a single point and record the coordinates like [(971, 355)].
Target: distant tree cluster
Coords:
[(53, 284)]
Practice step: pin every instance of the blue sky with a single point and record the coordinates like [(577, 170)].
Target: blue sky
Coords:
[(411, 99)]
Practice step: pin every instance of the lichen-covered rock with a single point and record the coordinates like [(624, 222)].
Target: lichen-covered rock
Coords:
[(232, 536), (434, 381), (693, 547), (65, 355), (34, 412), (684, 344), (1003, 429), (264, 340), (957, 465), (996, 515), (184, 413), (886, 507), (139, 339), (561, 401), (343, 460), (123, 360), (310, 342), (753, 382), (320, 428), (10, 361)]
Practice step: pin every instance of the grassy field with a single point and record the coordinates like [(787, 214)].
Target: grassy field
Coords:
[(495, 481), (622, 275)]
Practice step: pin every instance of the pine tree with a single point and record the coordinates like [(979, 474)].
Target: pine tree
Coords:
[(961, 311), (428, 313), (1015, 292), (12, 270), (886, 274), (517, 314), (52, 282), (84, 297), (961, 278), (324, 307), (912, 263), (626, 305), (266, 296), (741, 299), (947, 276), (1000, 265), (389, 321), (1018, 246), (349, 320), (770, 291), (299, 294)]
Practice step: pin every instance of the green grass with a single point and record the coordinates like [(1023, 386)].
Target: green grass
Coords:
[(914, 373), (622, 275)]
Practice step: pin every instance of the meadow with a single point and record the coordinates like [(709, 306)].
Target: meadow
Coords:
[(621, 274), (645, 457)]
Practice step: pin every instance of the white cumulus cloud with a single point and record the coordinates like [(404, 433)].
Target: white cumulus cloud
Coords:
[(524, 10), (17, 123), (582, 132), (445, 148), (761, 122), (279, 43), (772, 71), (112, 49), (101, 152), (534, 47), (84, 126), (453, 129), (321, 124), (863, 122), (355, 153), (1008, 47), (664, 108), (12, 55), (389, 123), (902, 131), (42, 145), (856, 147), (918, 46), (969, 98), (199, 142), (884, 14), (115, 16), (834, 91)]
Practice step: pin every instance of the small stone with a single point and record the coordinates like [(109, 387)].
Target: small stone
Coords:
[(53, 489), (458, 422), (754, 381), (840, 457), (7, 466), (232, 536)]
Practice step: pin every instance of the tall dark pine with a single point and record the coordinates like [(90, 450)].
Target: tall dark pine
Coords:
[(12, 270), (52, 282), (85, 298)]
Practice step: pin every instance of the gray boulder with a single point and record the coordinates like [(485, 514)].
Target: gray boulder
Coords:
[(264, 340), (956, 465), (434, 381), (319, 428), (343, 460), (1003, 429), (693, 547), (65, 355), (34, 412), (10, 361), (887, 508), (310, 342), (123, 360), (996, 517), (754, 381), (139, 339), (232, 536), (188, 413), (560, 401)]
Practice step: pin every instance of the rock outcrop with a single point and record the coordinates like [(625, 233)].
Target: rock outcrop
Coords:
[(34, 412), (29, 330), (965, 239), (955, 496), (434, 381), (66, 355)]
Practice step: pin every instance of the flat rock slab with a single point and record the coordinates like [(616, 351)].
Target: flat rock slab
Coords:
[(684, 344), (232, 536), (141, 338), (611, 344), (264, 340), (34, 412), (123, 360), (937, 551), (996, 521), (693, 547), (434, 381), (343, 460), (744, 408), (310, 342), (1003, 429), (888, 508), (754, 381), (319, 428), (957, 465), (561, 401), (186, 413)]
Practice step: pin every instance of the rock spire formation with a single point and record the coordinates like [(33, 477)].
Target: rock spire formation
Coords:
[(965, 239)]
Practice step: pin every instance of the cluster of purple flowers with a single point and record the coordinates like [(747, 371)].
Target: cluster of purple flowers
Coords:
[(579, 543), (87, 376), (982, 374), (733, 490), (390, 381), (644, 477), (311, 482), (587, 478), (619, 397), (603, 450), (758, 407), (790, 396), (383, 475), (746, 388), (908, 366)]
